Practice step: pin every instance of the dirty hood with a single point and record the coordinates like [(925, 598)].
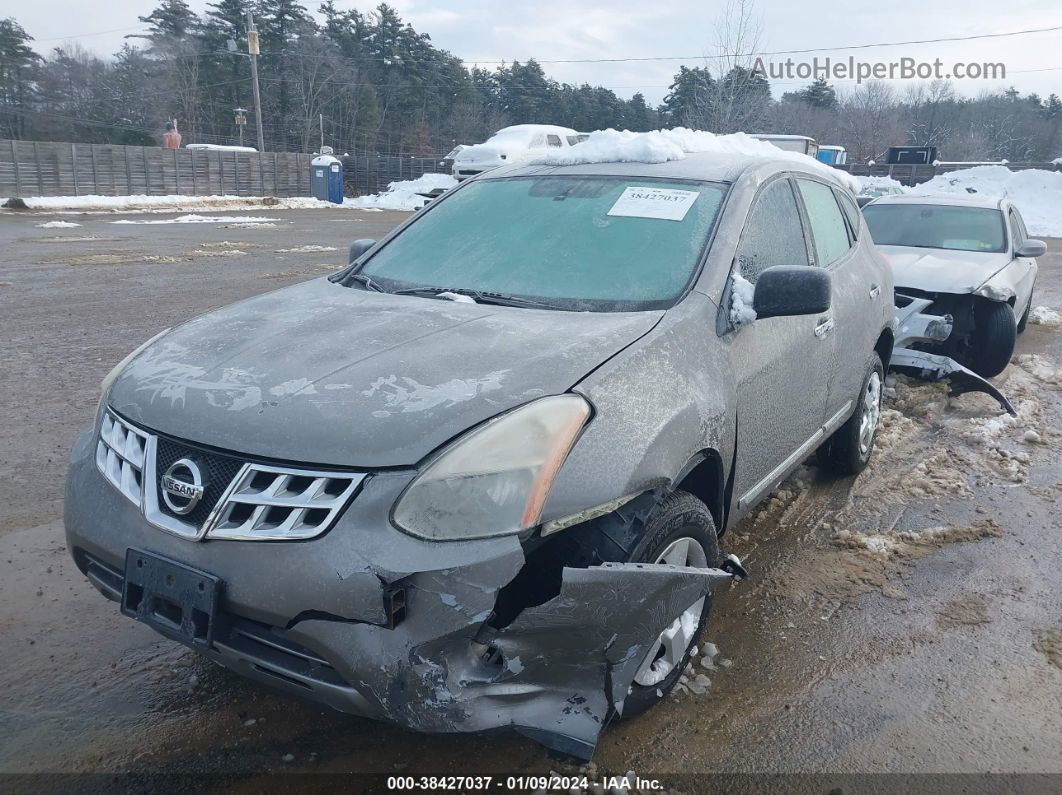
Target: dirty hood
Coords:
[(940, 270), (324, 374)]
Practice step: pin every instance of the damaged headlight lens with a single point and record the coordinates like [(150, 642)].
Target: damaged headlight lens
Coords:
[(494, 480)]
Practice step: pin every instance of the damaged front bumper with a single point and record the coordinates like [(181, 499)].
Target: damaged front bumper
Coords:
[(914, 325), (374, 622)]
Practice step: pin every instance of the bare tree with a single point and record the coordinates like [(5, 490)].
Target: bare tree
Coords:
[(869, 122)]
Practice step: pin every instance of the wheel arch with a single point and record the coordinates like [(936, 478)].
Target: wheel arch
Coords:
[(705, 477), (883, 347)]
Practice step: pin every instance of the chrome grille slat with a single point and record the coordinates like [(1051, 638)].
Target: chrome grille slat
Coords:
[(296, 504), (120, 456)]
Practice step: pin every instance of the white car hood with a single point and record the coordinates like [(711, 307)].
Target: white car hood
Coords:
[(938, 270)]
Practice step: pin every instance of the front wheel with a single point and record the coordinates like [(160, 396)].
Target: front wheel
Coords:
[(848, 450), (679, 530), (992, 341)]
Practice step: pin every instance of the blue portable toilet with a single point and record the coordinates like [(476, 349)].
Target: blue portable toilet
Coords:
[(832, 155), (326, 178)]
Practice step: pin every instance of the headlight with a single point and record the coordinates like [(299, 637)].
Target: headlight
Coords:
[(494, 480)]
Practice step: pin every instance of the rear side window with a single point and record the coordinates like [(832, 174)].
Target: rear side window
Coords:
[(773, 233), (851, 213), (1017, 230), (553, 140), (827, 224)]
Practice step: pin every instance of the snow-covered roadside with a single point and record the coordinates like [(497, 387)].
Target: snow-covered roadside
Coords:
[(400, 196)]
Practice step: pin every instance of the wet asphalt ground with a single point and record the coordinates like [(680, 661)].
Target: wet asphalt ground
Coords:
[(940, 654)]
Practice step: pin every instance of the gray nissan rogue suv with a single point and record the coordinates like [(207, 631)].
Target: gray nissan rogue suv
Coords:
[(477, 478)]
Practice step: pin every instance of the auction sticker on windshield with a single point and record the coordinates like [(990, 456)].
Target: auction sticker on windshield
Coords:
[(663, 203)]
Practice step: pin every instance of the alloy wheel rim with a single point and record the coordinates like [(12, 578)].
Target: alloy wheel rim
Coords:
[(670, 647), (870, 413)]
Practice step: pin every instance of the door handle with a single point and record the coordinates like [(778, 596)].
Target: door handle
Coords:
[(823, 327), (875, 291)]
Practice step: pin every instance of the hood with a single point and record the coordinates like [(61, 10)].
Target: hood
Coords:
[(318, 373), (938, 270)]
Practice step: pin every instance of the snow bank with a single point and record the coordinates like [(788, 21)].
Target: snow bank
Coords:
[(661, 146), (403, 195), (1037, 193), (878, 182), (398, 196), (204, 219)]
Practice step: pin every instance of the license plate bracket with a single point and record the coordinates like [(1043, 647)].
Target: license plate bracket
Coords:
[(176, 600)]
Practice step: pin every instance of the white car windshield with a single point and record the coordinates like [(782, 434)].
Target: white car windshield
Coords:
[(943, 226), (580, 243)]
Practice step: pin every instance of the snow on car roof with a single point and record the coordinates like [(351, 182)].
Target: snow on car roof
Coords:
[(523, 129), (727, 153)]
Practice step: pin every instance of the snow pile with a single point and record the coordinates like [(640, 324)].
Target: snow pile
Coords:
[(878, 182), (58, 225), (1037, 193), (661, 146), (741, 292), (205, 219), (139, 201), (398, 196), (403, 195), (1043, 316)]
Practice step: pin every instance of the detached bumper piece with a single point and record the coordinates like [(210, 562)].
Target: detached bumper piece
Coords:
[(931, 367), (914, 325)]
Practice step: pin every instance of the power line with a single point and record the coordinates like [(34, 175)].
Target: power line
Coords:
[(806, 51)]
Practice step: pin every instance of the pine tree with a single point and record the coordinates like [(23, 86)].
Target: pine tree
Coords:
[(18, 71)]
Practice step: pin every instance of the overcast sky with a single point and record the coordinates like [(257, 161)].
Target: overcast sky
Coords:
[(493, 30)]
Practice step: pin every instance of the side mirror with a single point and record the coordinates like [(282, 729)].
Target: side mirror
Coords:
[(1031, 248), (782, 292), (359, 247)]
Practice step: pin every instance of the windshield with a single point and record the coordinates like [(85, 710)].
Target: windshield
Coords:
[(936, 226), (580, 243)]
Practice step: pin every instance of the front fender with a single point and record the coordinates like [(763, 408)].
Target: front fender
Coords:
[(658, 405)]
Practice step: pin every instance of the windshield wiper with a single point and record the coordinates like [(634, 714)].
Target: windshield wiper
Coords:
[(368, 283), (479, 296)]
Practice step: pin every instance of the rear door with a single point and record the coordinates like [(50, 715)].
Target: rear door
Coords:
[(849, 330), (779, 363)]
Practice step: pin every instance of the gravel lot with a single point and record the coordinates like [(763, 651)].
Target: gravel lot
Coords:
[(909, 620)]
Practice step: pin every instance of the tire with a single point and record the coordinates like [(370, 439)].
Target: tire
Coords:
[(848, 451), (993, 338), (612, 538), (1025, 316)]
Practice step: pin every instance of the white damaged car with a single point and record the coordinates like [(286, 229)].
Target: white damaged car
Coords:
[(970, 261), (510, 145)]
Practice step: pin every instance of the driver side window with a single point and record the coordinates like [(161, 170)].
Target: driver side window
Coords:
[(773, 232)]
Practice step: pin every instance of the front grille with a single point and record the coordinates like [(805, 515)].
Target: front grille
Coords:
[(121, 450), (242, 499), (218, 472)]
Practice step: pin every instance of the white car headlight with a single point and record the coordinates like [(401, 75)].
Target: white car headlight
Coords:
[(495, 479)]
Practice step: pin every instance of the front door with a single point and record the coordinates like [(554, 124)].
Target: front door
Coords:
[(780, 363)]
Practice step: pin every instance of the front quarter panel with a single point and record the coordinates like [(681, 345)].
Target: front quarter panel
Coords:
[(657, 406)]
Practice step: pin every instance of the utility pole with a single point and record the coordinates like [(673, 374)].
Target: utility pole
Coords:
[(252, 52), (320, 122)]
